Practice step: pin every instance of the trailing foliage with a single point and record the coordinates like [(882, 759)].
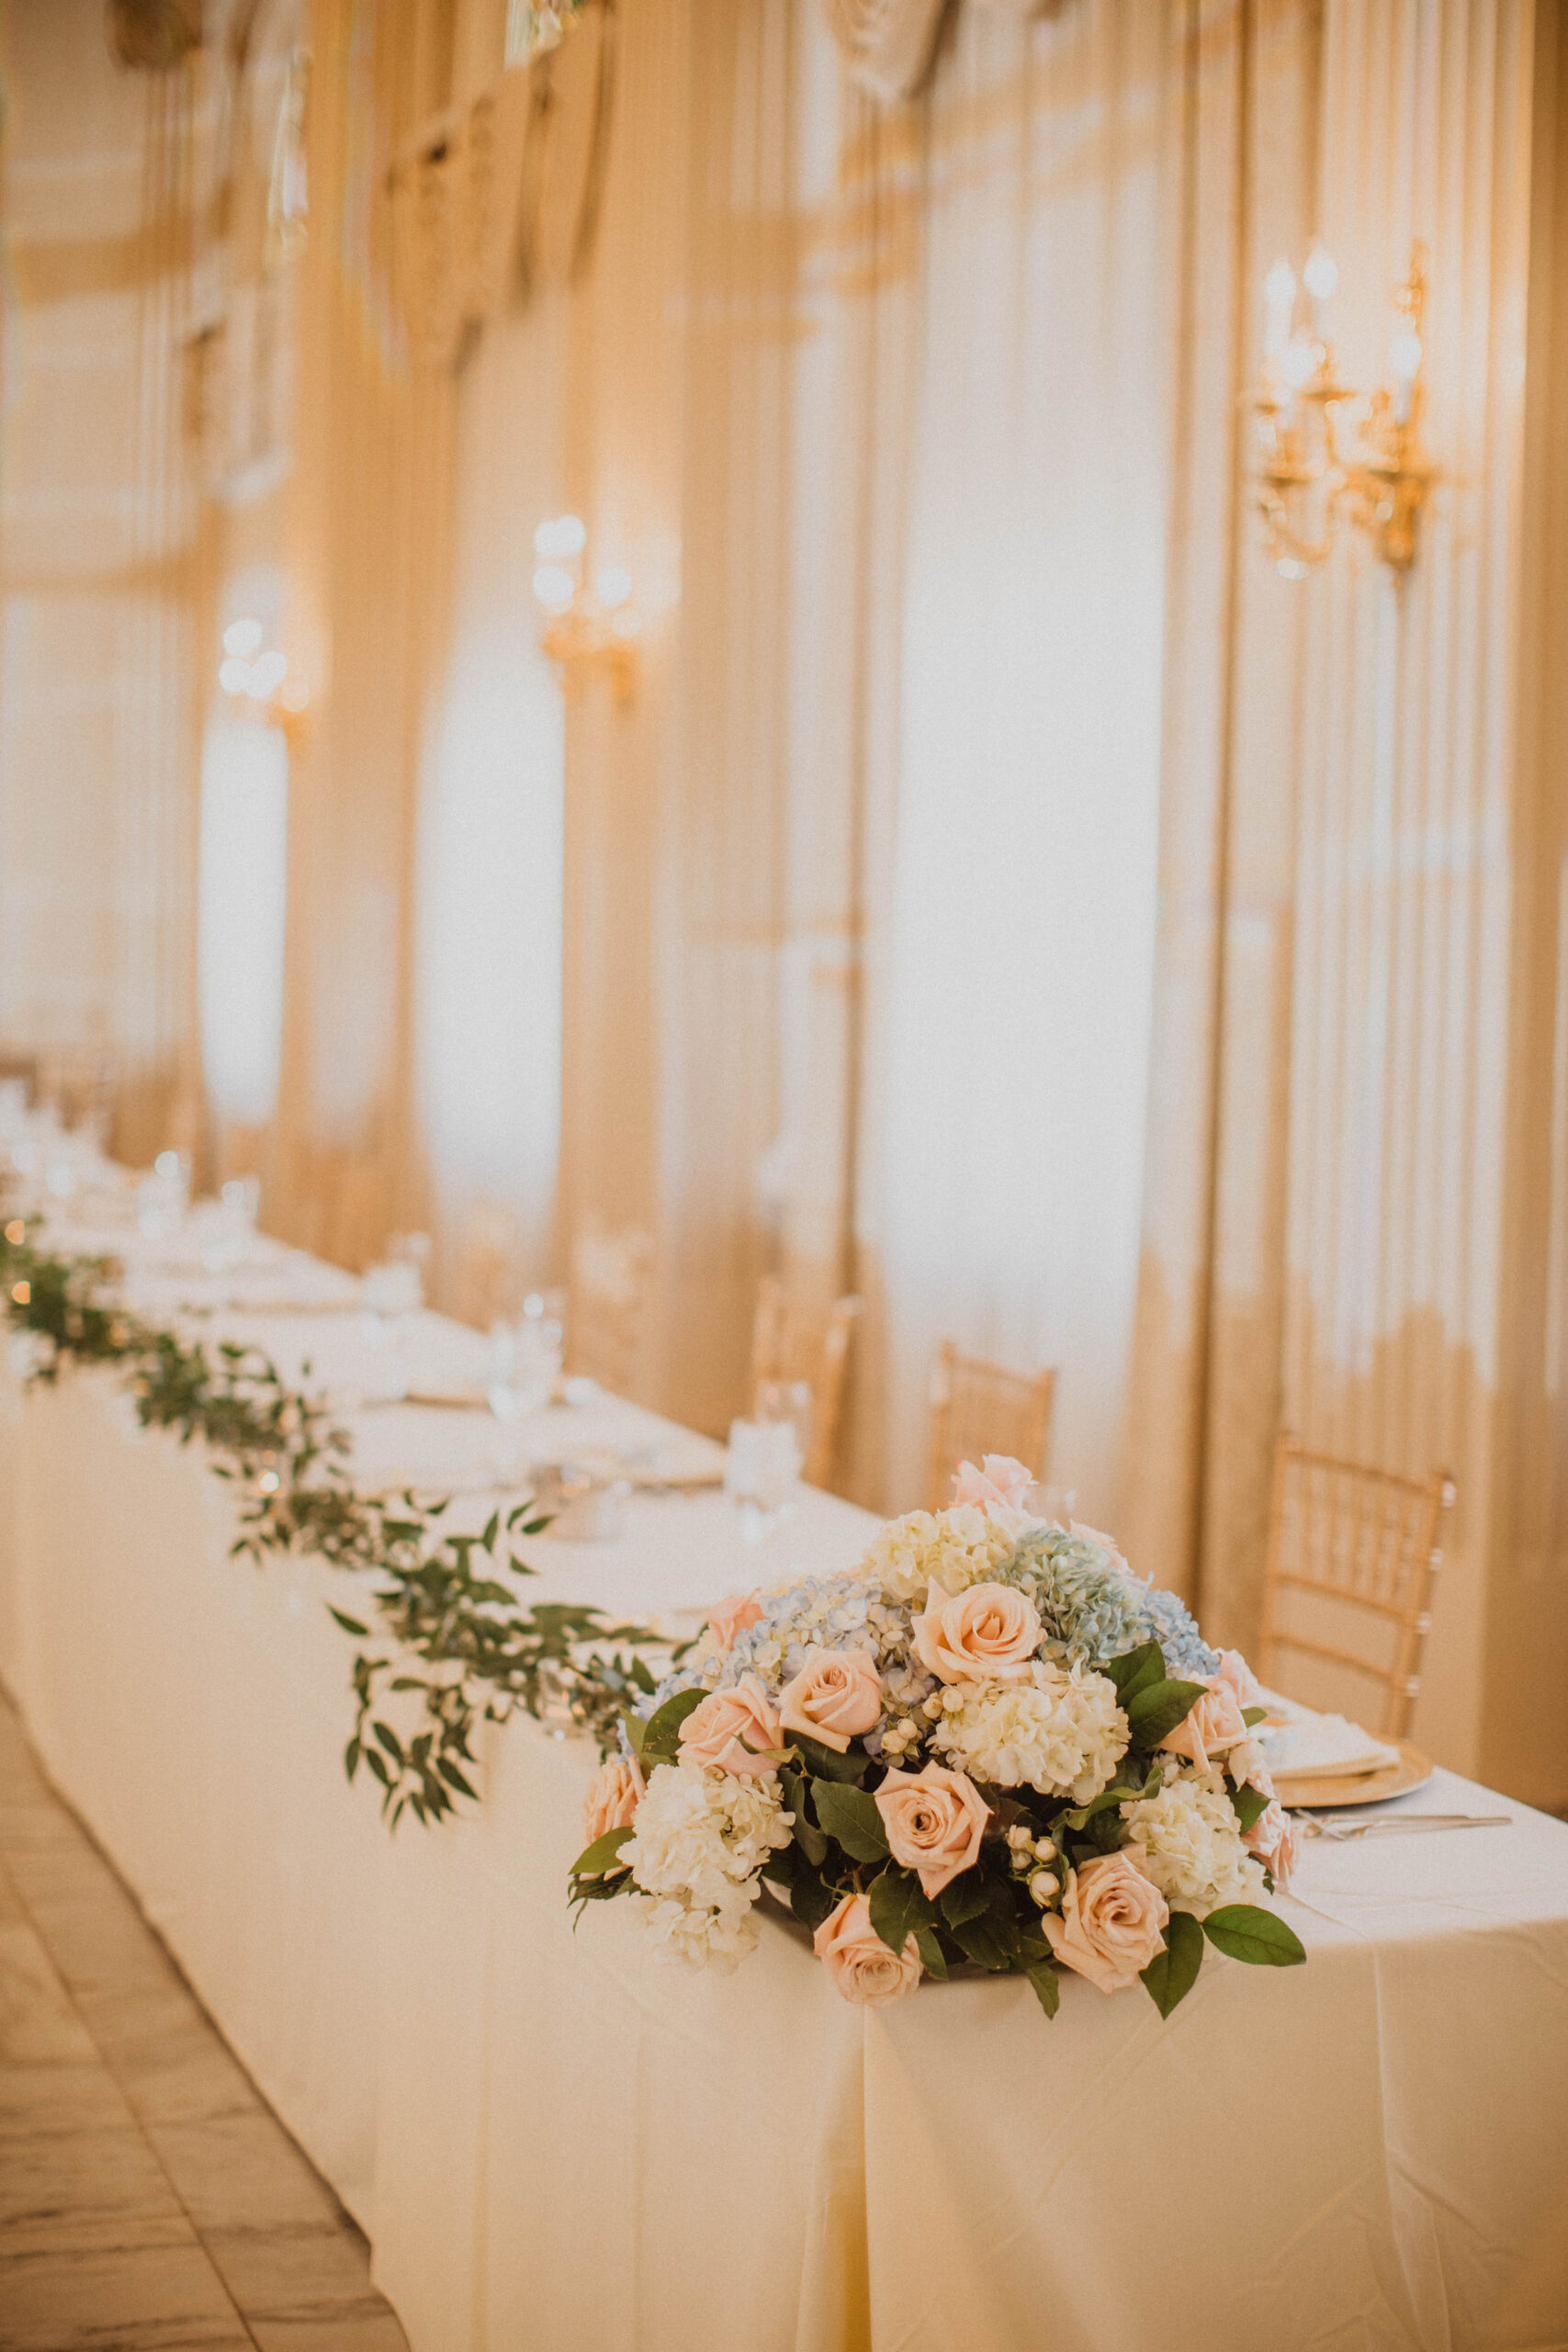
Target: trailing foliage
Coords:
[(442, 1614)]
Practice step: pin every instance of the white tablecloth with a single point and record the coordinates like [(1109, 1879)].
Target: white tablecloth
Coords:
[(554, 2141)]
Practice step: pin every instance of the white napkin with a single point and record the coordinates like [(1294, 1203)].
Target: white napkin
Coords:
[(1308, 1745)]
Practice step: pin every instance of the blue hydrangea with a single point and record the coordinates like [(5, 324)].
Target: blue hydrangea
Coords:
[(831, 1612), (1090, 1608), (1094, 1610)]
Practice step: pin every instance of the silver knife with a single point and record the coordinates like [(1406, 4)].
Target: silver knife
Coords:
[(1403, 1824)]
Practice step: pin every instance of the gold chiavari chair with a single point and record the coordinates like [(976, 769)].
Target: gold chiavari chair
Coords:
[(979, 1408), (1353, 1557), (612, 1273), (789, 1343), (490, 1265), (356, 1212)]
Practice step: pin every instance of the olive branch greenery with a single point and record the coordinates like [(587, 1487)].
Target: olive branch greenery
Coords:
[(441, 1617)]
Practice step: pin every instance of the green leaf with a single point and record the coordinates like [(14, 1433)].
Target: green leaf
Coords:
[(1249, 1803), (826, 1763), (1245, 1931), (811, 1840), (492, 1528), (984, 1941), (1047, 1986), (850, 1815), (1251, 1715), (603, 1853), (965, 1897), (1135, 1671), (1102, 1803), (349, 1624), (1156, 1711), (933, 1957), (898, 1906), (1173, 1970), (811, 1901), (636, 1730), (662, 1733), (389, 1740)]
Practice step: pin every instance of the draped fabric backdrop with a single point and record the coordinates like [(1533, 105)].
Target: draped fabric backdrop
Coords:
[(99, 566), (1001, 893)]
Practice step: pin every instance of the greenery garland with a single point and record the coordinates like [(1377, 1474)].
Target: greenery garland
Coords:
[(445, 1622)]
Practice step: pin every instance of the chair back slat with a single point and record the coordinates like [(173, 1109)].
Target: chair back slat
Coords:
[(978, 1407), (1352, 1560), (491, 1283), (612, 1274), (789, 1342)]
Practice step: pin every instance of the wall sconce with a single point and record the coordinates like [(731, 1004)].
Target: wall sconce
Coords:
[(533, 28), (1328, 451), (591, 629)]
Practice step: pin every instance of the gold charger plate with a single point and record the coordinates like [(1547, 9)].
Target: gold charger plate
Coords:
[(1314, 1793)]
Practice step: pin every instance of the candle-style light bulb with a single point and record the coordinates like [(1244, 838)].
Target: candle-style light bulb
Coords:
[(1320, 276), (1404, 364), (1279, 301)]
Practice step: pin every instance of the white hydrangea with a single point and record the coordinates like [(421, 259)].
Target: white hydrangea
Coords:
[(1061, 1733), (699, 1936), (1192, 1842), (952, 1548), (699, 1840)]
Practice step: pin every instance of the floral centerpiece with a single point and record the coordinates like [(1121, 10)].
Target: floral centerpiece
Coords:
[(988, 1745)]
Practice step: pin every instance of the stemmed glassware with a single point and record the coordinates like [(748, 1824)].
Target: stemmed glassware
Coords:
[(524, 1368)]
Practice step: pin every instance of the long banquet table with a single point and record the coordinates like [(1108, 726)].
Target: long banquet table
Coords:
[(553, 2142)]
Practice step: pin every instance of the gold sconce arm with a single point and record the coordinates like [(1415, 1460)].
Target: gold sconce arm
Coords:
[(1327, 453), (591, 629)]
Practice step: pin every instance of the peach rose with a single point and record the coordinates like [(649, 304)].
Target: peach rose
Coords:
[(713, 1732), (731, 1617), (1212, 1724), (862, 1967), (935, 1820), (1238, 1676), (986, 1634), (836, 1694), (1112, 1920), (613, 1795), (1247, 1761), (1275, 1840), (999, 1480)]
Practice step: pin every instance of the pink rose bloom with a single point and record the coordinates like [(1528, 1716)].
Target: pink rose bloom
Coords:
[(713, 1732), (1275, 1840), (935, 1820), (1235, 1672), (836, 1694), (1247, 1761), (986, 1634), (1113, 1922), (613, 1795), (999, 1481), (731, 1617), (1213, 1725), (862, 1967)]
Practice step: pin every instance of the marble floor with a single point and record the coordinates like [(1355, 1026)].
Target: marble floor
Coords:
[(148, 2197)]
